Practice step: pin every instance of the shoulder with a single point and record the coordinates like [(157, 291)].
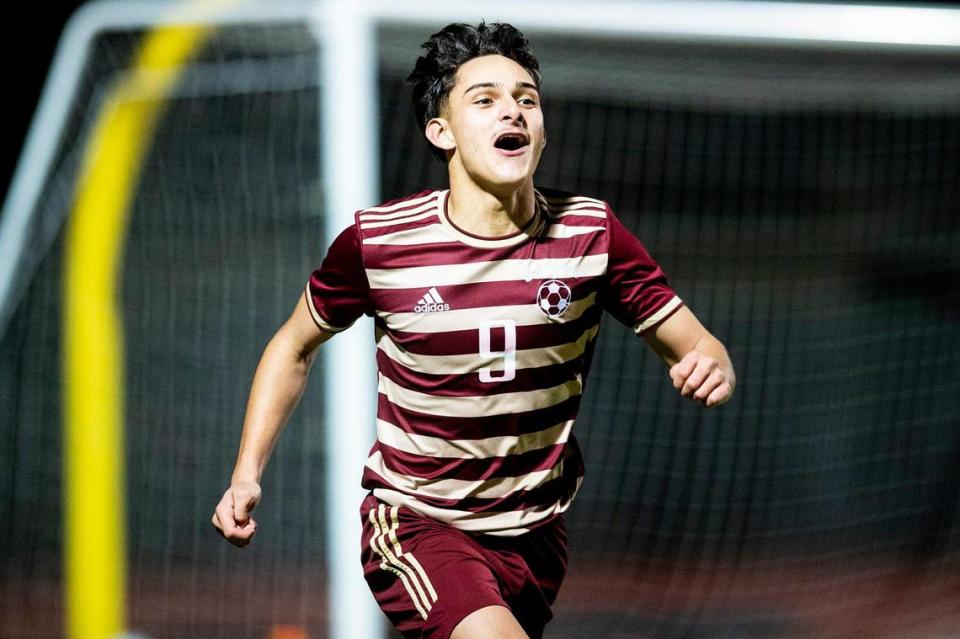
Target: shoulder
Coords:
[(401, 223), (398, 214), (572, 205), (400, 204)]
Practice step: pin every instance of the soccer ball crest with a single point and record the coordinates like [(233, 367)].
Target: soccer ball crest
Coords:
[(553, 298)]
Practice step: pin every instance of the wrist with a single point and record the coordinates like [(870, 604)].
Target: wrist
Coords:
[(246, 471)]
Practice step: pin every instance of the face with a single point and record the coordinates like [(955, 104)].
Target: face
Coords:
[(493, 124)]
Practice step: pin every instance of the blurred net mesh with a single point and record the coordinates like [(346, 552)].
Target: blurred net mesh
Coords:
[(803, 201), (227, 223)]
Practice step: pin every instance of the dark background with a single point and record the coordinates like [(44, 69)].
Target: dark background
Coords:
[(28, 61), (820, 243)]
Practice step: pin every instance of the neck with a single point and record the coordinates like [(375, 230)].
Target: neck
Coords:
[(488, 213)]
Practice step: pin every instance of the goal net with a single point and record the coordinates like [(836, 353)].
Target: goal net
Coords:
[(804, 201)]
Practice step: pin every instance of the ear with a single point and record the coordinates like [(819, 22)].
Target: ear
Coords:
[(439, 134)]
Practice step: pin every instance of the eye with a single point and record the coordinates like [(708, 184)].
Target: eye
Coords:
[(528, 102), (483, 101)]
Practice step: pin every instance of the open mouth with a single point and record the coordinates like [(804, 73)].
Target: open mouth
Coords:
[(511, 141)]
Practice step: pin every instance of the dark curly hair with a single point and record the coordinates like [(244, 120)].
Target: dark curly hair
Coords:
[(452, 46)]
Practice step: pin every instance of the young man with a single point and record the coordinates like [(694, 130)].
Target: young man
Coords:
[(487, 298)]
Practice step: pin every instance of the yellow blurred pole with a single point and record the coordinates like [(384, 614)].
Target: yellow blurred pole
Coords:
[(95, 511)]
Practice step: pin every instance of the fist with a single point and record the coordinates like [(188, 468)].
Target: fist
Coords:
[(232, 516), (702, 379)]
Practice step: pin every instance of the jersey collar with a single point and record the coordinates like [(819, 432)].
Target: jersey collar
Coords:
[(533, 227)]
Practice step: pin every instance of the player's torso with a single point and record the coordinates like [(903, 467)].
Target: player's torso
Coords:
[(482, 346), (462, 316)]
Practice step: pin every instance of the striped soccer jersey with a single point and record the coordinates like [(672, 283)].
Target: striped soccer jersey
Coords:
[(483, 346)]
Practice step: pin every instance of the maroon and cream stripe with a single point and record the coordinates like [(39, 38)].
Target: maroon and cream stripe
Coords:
[(491, 452)]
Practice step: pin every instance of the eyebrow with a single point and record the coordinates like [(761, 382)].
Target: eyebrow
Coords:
[(489, 85)]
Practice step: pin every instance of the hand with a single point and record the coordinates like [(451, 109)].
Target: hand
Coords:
[(702, 379), (232, 516)]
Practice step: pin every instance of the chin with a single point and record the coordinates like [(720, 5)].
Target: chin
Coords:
[(499, 175), (513, 175), (501, 183)]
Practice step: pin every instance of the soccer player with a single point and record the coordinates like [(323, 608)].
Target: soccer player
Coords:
[(487, 299)]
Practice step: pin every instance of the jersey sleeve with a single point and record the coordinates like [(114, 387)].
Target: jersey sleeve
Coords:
[(338, 293), (635, 290)]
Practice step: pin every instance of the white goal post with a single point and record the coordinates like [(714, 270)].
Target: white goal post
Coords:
[(346, 32)]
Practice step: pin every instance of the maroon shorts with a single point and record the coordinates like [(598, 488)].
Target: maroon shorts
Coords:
[(427, 576)]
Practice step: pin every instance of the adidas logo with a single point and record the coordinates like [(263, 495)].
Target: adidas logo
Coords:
[(431, 301)]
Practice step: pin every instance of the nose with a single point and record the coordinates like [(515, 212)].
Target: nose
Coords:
[(511, 111)]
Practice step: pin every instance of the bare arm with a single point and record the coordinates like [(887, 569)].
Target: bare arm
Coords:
[(277, 387), (699, 364)]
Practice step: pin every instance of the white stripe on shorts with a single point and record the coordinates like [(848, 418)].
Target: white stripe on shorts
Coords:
[(392, 563)]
